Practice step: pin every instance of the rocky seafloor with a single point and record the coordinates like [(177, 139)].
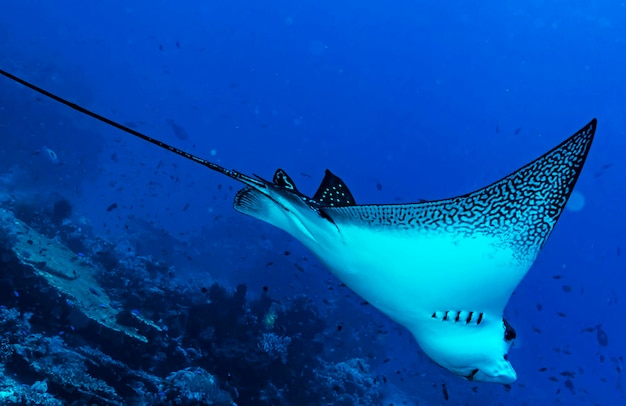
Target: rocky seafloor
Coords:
[(83, 321)]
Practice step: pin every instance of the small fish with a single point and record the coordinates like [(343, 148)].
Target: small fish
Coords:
[(179, 131), (49, 154), (112, 207), (602, 169), (602, 337), (444, 390)]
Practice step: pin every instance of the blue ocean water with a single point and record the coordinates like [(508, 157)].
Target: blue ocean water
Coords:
[(404, 101)]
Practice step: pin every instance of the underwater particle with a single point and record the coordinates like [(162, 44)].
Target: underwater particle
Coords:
[(112, 207), (213, 152), (339, 327), (576, 202), (266, 288), (317, 48), (379, 186)]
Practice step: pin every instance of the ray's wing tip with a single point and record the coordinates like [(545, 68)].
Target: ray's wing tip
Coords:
[(592, 124)]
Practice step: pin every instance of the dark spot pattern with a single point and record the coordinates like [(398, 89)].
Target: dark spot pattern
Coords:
[(463, 316), (333, 192), (520, 210)]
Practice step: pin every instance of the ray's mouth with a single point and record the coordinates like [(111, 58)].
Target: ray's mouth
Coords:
[(471, 375)]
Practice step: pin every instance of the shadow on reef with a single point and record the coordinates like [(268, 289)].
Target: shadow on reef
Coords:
[(99, 324)]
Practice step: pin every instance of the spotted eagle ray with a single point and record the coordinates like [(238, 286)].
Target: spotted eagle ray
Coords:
[(443, 269)]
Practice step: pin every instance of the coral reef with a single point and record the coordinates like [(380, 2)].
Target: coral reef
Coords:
[(84, 321)]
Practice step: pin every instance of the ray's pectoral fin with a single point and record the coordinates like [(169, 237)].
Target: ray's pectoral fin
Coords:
[(460, 258)]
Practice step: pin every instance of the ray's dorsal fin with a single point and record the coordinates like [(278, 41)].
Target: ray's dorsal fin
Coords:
[(333, 192)]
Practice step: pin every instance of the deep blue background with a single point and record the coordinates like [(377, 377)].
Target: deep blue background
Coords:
[(426, 99)]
